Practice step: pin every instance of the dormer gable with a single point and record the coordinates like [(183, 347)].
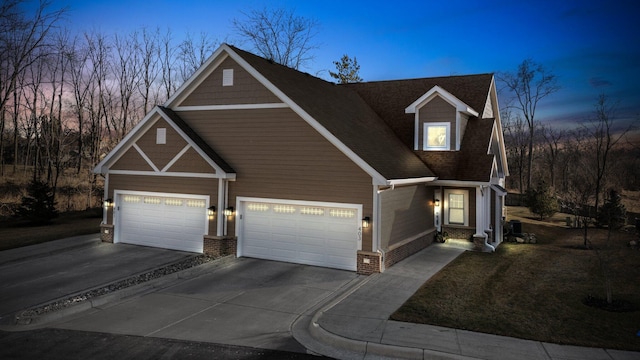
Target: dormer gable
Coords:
[(440, 120)]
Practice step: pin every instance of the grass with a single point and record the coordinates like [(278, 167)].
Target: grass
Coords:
[(536, 291), (14, 234)]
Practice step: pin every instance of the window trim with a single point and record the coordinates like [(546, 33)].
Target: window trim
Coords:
[(425, 136), (466, 204)]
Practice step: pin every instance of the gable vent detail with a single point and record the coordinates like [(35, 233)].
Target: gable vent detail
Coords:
[(227, 77)]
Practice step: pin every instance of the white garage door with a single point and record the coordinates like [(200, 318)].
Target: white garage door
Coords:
[(301, 233), (171, 222)]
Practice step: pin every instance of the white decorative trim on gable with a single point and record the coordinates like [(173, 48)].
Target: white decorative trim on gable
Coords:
[(137, 132), (459, 105)]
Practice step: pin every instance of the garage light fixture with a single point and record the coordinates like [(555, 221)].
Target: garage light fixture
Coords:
[(228, 211), (366, 222), (211, 210), (108, 203)]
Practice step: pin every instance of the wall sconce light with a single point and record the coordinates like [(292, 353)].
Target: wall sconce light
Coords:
[(436, 203), (366, 222), (228, 211), (211, 210), (108, 203)]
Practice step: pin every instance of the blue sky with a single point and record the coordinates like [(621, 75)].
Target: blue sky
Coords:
[(592, 46)]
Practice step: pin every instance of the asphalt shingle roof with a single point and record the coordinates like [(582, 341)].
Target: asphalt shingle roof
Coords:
[(370, 119)]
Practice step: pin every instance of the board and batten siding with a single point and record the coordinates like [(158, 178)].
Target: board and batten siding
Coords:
[(405, 213), (245, 89), (165, 184), (278, 155), (437, 110)]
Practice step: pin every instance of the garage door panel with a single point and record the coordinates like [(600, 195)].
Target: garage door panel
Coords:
[(165, 221), (307, 234)]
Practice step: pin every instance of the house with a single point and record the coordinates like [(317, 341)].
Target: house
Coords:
[(255, 159)]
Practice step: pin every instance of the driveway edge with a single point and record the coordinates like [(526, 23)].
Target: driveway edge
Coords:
[(24, 319)]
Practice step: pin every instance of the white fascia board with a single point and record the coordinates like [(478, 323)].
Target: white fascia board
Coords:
[(460, 183), (496, 114), (377, 178), (437, 90), (123, 145), (193, 144), (411, 181)]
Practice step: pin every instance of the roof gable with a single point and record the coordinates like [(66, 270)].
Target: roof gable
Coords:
[(142, 132), (342, 117), (435, 91)]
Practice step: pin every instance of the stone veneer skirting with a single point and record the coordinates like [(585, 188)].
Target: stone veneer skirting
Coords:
[(403, 250), (220, 245), (106, 233)]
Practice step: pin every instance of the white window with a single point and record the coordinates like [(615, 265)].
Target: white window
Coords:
[(161, 136), (437, 136), (456, 207), (227, 77)]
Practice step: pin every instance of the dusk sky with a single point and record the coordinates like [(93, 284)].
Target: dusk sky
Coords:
[(592, 46)]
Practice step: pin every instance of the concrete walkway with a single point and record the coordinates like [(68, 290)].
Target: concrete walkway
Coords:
[(356, 325)]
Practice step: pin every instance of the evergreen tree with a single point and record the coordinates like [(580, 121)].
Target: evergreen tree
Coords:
[(38, 206), (541, 201), (612, 213), (347, 70)]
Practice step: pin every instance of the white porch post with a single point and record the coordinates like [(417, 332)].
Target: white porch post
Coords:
[(220, 218), (480, 210)]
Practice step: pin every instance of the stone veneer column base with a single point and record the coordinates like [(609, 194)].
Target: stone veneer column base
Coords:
[(220, 245), (106, 233), (369, 262)]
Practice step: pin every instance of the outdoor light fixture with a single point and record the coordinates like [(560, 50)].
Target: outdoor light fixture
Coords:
[(366, 222), (211, 210), (436, 202), (108, 203), (228, 211)]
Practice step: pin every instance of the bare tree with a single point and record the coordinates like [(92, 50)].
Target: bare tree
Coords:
[(167, 65), (529, 85), (21, 38), (554, 145), (515, 137), (279, 35), (149, 68), (603, 138), (126, 69), (193, 53)]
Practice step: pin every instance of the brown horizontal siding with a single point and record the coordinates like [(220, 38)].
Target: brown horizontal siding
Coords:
[(245, 90), (406, 212), (131, 160), (278, 155), (161, 154), (437, 110), (165, 184), (192, 162)]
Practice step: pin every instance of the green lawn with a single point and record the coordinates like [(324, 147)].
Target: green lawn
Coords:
[(536, 291)]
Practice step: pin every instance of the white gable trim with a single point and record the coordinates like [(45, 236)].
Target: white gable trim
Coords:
[(231, 107), (437, 90), (176, 158), (145, 157), (198, 77), (493, 95), (143, 126)]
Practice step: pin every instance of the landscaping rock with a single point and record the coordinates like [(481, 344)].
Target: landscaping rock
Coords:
[(520, 240)]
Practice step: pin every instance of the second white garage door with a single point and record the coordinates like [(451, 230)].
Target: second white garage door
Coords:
[(170, 221), (303, 233)]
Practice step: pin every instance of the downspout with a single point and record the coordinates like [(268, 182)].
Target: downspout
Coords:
[(376, 200), (481, 216)]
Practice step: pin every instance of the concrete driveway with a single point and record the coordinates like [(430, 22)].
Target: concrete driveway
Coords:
[(247, 302), (41, 273)]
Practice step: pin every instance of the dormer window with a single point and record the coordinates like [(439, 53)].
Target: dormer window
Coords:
[(437, 136)]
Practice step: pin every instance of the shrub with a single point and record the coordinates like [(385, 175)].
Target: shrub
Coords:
[(38, 206), (612, 213), (541, 201)]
